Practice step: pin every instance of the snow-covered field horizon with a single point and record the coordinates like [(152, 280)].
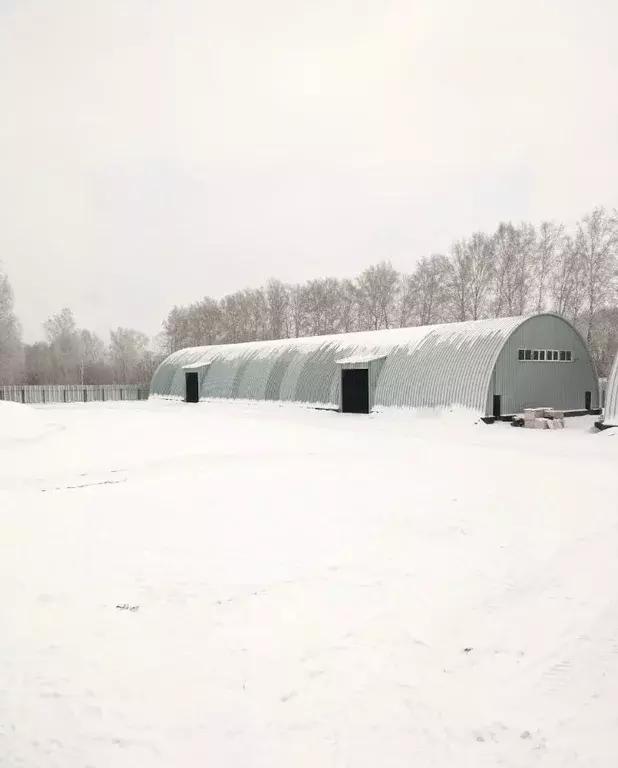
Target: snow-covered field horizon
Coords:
[(263, 585)]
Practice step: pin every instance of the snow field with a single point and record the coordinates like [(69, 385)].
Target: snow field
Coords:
[(314, 589)]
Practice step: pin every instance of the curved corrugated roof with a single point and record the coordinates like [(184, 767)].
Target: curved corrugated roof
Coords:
[(425, 366), (610, 414)]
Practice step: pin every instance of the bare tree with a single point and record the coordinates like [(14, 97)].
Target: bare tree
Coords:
[(205, 321), (277, 301), (11, 351), (298, 318), (471, 274), (39, 361), (350, 310), (513, 249), (604, 340), (461, 276), (565, 283), (321, 303), (429, 294), (94, 368), (596, 245), (245, 316), (65, 342), (129, 355), (550, 242), (408, 301), (378, 288), (177, 329), (234, 319)]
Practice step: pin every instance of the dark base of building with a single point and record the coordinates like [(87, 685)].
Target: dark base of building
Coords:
[(601, 425), (567, 415)]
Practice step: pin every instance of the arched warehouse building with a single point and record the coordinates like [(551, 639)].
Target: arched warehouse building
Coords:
[(490, 366)]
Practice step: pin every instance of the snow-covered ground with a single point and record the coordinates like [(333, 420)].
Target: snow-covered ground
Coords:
[(314, 590)]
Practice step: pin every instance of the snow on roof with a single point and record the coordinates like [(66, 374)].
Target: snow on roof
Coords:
[(360, 359)]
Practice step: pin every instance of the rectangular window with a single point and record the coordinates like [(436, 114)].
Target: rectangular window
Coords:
[(541, 354), (568, 354), (520, 354), (562, 355), (555, 354), (550, 355), (535, 354), (528, 354)]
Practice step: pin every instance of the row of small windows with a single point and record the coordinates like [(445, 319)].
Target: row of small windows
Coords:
[(546, 355)]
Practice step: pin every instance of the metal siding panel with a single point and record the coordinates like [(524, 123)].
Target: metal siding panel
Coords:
[(219, 383), (314, 383), (530, 384), (289, 383), (277, 374)]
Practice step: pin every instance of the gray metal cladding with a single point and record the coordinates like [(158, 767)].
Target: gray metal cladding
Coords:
[(429, 366), (530, 383), (449, 365), (610, 413), (276, 374)]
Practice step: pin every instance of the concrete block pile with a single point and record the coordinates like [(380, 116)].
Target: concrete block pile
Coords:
[(543, 418)]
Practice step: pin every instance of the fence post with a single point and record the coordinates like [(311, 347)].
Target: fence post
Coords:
[(23, 396), (43, 396), (85, 395)]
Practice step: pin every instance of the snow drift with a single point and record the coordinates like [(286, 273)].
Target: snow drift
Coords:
[(20, 422)]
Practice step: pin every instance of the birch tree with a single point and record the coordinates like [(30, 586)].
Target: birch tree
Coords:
[(471, 275), (65, 343), (550, 242), (513, 249), (596, 247), (378, 290), (322, 306), (277, 302), (177, 329), (129, 355), (431, 280), (565, 280)]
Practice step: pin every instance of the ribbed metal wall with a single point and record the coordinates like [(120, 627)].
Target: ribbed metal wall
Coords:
[(530, 383), (610, 414), (429, 366)]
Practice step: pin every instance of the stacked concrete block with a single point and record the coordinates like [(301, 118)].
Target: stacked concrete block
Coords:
[(543, 418), (531, 415)]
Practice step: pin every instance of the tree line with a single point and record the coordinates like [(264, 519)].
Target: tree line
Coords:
[(69, 354), (515, 270)]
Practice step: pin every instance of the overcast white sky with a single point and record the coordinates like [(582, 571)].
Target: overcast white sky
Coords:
[(155, 151)]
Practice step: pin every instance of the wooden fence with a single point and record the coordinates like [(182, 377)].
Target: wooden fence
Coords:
[(72, 393)]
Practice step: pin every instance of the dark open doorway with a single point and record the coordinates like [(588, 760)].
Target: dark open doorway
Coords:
[(588, 400), (192, 387), (497, 407), (355, 390)]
